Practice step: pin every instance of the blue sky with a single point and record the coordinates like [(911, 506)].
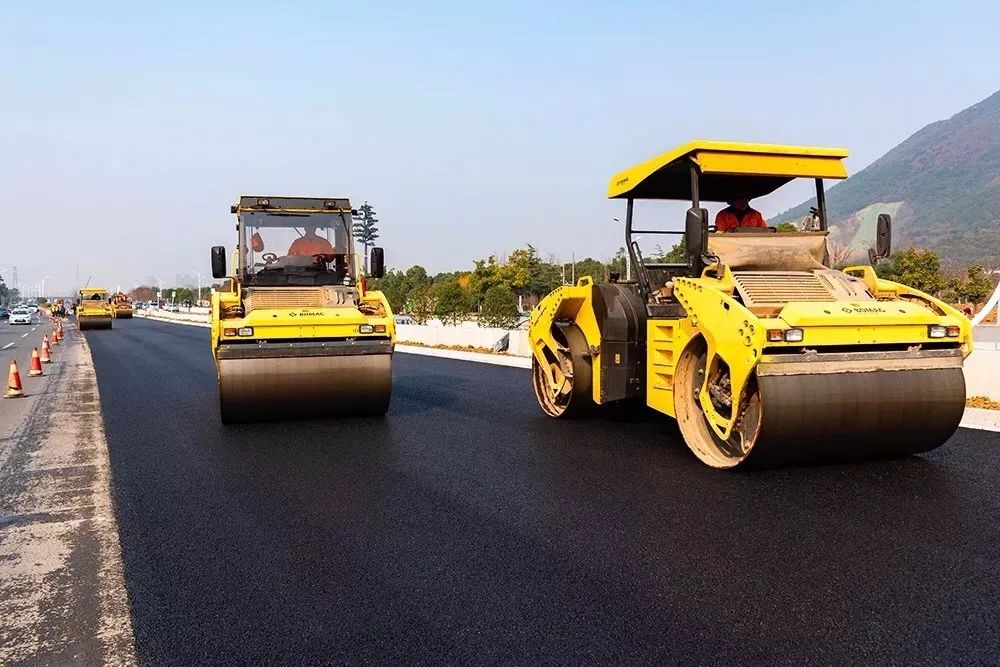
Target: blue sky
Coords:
[(129, 128)]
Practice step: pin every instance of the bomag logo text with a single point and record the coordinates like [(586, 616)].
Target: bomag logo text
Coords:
[(863, 309)]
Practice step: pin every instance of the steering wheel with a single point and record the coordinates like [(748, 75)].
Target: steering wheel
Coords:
[(269, 257)]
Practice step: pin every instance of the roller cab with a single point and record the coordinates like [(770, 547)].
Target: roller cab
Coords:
[(93, 310), (295, 334), (759, 348)]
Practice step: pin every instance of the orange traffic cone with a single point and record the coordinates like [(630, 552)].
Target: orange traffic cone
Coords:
[(14, 389), (46, 351), (36, 363), (55, 337)]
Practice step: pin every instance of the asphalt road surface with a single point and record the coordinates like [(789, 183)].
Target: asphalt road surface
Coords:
[(16, 336), (467, 528)]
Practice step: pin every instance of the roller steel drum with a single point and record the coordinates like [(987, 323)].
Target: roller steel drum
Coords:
[(303, 383), (93, 322), (836, 407)]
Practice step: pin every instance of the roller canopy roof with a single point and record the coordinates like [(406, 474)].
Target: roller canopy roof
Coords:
[(301, 205), (727, 170)]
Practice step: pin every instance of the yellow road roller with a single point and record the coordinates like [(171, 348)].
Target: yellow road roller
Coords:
[(761, 350), (121, 306), (93, 310), (295, 332)]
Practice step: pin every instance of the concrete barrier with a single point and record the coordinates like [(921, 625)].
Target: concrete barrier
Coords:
[(982, 372), (480, 337)]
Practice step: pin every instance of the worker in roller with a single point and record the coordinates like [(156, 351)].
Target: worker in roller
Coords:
[(310, 244), (738, 214)]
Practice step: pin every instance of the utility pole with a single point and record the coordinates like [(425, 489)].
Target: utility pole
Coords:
[(573, 258), (200, 275)]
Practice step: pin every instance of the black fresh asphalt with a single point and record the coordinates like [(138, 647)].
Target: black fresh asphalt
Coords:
[(467, 528)]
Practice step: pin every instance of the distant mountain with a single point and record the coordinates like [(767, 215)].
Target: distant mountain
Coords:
[(942, 187)]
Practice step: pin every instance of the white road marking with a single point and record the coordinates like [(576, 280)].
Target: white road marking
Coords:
[(25, 335), (7, 346)]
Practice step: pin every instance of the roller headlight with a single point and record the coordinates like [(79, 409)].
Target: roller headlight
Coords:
[(936, 331), (784, 335)]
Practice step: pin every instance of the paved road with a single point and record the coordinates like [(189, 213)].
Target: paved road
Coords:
[(467, 528), (62, 592), (16, 342), (16, 336)]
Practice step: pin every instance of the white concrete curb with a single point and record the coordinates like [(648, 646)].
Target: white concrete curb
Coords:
[(983, 420), (478, 357), (176, 320)]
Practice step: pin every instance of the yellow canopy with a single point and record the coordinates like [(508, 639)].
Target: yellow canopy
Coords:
[(727, 170), (93, 290)]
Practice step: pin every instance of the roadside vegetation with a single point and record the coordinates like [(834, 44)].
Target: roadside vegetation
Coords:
[(498, 291)]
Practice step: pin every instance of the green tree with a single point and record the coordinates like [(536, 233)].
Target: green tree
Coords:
[(535, 276), (618, 263), (417, 275), (366, 229), (451, 303), (976, 288), (395, 288), (499, 308), (916, 268), (420, 303), (181, 294), (589, 266), (786, 227), (676, 255)]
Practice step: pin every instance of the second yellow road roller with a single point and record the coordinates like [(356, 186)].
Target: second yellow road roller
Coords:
[(761, 350), (121, 306), (295, 332), (93, 310)]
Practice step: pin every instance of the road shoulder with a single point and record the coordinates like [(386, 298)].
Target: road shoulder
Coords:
[(62, 591)]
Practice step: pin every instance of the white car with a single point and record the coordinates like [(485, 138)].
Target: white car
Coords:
[(20, 316), (173, 308)]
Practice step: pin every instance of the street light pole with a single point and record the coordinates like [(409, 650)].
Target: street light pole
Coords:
[(200, 276)]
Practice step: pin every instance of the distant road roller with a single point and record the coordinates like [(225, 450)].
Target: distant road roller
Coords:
[(760, 349), (121, 306), (93, 310), (295, 332)]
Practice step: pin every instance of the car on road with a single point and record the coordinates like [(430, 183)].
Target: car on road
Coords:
[(404, 319), (4, 312), (21, 316), (173, 308)]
